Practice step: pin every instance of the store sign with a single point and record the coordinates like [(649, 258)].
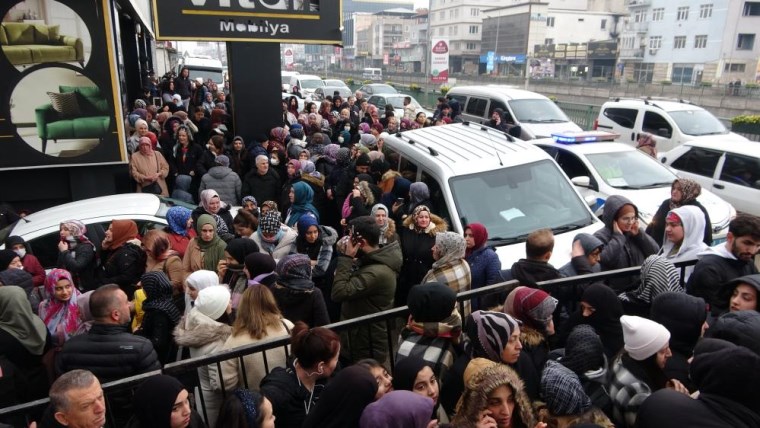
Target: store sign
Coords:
[(290, 21), (602, 50), (491, 58), (439, 61)]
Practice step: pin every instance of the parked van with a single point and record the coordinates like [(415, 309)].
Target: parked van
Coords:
[(536, 115), (670, 122), (207, 68), (286, 75), (372, 74), (307, 83), (477, 174)]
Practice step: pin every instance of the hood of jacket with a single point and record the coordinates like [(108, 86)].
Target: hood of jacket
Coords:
[(328, 235), (683, 316), (693, 221), (611, 206), (731, 372), (530, 272), (198, 330), (727, 289), (741, 328), (437, 224), (220, 172), (389, 255), (316, 181)]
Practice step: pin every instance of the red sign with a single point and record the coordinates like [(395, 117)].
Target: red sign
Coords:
[(441, 47)]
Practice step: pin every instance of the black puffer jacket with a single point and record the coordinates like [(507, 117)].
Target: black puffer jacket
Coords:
[(123, 266), (741, 328), (109, 351)]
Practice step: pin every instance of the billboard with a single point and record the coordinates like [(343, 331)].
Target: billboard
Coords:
[(59, 88), (439, 60), (287, 21)]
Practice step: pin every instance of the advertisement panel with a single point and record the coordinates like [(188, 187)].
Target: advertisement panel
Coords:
[(288, 21), (439, 60), (59, 85), (288, 56)]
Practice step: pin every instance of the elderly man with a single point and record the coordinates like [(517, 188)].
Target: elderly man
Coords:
[(76, 401), (263, 182)]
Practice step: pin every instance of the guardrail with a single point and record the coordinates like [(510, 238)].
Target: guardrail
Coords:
[(23, 414)]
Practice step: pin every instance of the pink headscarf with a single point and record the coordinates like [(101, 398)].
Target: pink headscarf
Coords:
[(61, 318)]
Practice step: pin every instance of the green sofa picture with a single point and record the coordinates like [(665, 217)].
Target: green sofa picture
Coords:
[(25, 44), (92, 121)]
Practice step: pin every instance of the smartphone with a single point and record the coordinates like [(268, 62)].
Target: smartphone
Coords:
[(400, 201)]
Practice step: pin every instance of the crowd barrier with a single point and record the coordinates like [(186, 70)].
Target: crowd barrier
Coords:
[(23, 414)]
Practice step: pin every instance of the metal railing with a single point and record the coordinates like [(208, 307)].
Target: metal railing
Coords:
[(26, 412)]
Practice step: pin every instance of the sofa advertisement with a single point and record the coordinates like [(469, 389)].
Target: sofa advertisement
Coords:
[(59, 85)]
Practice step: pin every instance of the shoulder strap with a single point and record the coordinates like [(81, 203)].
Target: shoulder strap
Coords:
[(285, 325)]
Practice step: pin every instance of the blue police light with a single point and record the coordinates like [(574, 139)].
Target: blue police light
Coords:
[(584, 137)]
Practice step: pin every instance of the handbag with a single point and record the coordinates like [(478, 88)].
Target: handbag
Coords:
[(153, 187)]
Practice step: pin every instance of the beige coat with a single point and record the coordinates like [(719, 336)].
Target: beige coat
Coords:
[(141, 166)]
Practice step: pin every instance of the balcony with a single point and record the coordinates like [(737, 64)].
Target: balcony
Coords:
[(637, 27), (635, 54), (637, 3)]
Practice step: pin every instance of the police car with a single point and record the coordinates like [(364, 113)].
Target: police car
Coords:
[(600, 167)]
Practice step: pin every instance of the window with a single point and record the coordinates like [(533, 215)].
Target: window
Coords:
[(451, 13), (734, 67), (751, 8), (741, 170), (745, 42), (440, 31), (603, 24), (550, 21), (640, 16), (548, 41), (679, 42), (643, 72), (472, 46), (655, 42), (658, 14), (682, 14), (474, 29), (700, 42), (476, 106), (682, 73), (498, 104), (625, 117), (656, 124), (705, 11), (474, 11), (572, 166), (442, 15), (698, 161)]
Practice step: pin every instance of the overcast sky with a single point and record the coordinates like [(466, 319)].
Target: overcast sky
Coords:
[(421, 4)]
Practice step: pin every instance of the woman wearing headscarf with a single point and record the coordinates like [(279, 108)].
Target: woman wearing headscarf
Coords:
[(534, 308), (295, 293), (600, 308), (162, 402), (85, 315), (203, 331), (567, 403), (77, 254), (60, 311), (359, 202), (31, 263), (417, 375), (149, 169), (584, 355), (647, 144), (317, 242), (162, 258), (683, 191), (497, 389), (315, 180), (417, 238), (24, 339), (259, 270), (388, 233), (122, 257), (485, 266), (401, 409), (273, 237), (180, 230), (212, 205), (186, 155), (450, 267), (683, 237), (231, 267), (419, 194), (161, 315), (206, 249), (12, 273), (658, 276), (343, 399), (301, 196)]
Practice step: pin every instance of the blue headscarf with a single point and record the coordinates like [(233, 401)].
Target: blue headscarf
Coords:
[(249, 400), (305, 222), (177, 218), (301, 203)]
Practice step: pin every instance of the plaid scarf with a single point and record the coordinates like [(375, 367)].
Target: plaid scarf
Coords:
[(449, 328)]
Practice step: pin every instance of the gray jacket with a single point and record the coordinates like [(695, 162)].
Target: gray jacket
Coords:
[(225, 181)]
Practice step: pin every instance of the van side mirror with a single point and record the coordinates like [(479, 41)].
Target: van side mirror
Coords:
[(515, 131), (581, 181)]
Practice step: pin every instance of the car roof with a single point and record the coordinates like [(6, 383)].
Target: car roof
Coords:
[(749, 148), (335, 88), (307, 77), (376, 84), (463, 148), (666, 105), (507, 91), (129, 205), (587, 148)]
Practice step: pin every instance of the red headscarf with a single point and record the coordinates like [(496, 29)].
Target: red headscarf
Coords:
[(479, 235), (121, 232)]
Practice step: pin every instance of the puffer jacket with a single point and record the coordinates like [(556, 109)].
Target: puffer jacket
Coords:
[(204, 336), (417, 255), (123, 266), (622, 250), (226, 183), (741, 328), (367, 290)]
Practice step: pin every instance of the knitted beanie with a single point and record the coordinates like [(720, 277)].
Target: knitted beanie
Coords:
[(431, 302), (294, 266), (531, 305), (213, 301), (643, 337), (489, 333), (583, 350)]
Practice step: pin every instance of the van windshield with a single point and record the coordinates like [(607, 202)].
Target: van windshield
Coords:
[(514, 201), (537, 110), (698, 122), (214, 74), (312, 84)]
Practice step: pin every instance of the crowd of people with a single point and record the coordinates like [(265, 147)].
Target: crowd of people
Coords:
[(331, 232)]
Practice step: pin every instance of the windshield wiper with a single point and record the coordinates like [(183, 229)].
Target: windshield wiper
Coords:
[(567, 228), (498, 240), (544, 120), (711, 133), (648, 186)]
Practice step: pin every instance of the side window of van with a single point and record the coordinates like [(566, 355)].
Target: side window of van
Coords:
[(436, 197), (655, 124), (476, 106), (498, 104), (698, 161), (741, 170), (625, 117), (461, 98)]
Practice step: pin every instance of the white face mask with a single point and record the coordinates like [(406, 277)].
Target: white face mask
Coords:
[(21, 252), (275, 161), (340, 140), (347, 128)]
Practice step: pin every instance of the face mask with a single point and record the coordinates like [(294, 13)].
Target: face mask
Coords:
[(340, 140), (347, 128), (275, 161), (21, 252)]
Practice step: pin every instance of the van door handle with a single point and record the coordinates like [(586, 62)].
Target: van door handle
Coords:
[(719, 186), (633, 136)]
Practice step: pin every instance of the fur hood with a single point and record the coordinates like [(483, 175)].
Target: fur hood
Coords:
[(198, 330), (390, 230), (531, 337), (317, 181), (437, 224)]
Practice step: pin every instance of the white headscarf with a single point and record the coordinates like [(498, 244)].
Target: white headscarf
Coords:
[(693, 221), (199, 280)]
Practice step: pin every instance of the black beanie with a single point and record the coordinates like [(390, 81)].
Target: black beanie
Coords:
[(363, 160), (431, 302)]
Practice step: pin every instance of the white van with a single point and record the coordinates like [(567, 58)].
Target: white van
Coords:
[(372, 74), (307, 83), (285, 77), (207, 68), (477, 174), (670, 122), (536, 115)]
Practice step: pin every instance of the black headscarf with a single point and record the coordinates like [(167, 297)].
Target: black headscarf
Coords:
[(154, 400), (606, 317), (158, 295), (406, 371), (343, 400), (239, 248)]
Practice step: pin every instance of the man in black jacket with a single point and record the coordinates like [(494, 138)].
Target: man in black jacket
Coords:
[(262, 182), (725, 262)]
